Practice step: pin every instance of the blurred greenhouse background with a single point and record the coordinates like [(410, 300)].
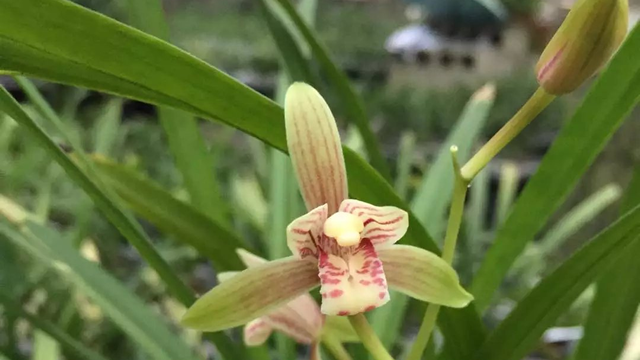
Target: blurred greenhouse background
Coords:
[(416, 64)]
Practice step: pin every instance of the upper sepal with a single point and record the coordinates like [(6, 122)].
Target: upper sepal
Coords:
[(252, 293), (314, 146), (423, 275)]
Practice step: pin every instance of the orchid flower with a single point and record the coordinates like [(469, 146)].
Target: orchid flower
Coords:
[(346, 246)]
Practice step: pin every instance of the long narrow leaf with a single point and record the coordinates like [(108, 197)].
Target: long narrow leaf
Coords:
[(294, 62), (190, 226), (405, 160), (124, 308), (614, 307), (49, 328), (577, 217), (603, 110), (507, 190), (185, 139), (352, 102), (521, 330), (433, 195), (120, 219)]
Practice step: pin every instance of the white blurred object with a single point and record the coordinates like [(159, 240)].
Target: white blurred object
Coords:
[(414, 38), (562, 334)]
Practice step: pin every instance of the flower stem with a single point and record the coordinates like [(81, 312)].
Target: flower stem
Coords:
[(335, 347), (369, 338), (453, 228), (315, 351), (536, 103)]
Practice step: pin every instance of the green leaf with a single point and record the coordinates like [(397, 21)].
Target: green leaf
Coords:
[(49, 328), (185, 139), (107, 125), (533, 260), (60, 41), (614, 307), (578, 216), (126, 310), (583, 137), (112, 210), (405, 160), (284, 195), (521, 330), (294, 62), (507, 190), (128, 227), (353, 105), (188, 225), (434, 193), (45, 347), (476, 215)]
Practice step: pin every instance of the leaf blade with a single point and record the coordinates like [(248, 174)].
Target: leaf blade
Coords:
[(612, 311), (522, 329)]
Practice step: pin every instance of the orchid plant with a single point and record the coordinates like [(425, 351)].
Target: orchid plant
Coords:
[(346, 246)]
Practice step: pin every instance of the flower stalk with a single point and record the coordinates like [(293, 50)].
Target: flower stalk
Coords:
[(335, 347), (369, 338), (451, 238), (534, 106)]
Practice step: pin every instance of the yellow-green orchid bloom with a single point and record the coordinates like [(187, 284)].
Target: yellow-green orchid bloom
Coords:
[(346, 246)]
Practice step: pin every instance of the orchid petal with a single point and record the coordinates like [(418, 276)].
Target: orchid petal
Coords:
[(303, 230), (352, 285), (383, 225), (423, 275), (293, 325), (251, 294), (257, 332), (300, 319), (314, 147), (249, 259)]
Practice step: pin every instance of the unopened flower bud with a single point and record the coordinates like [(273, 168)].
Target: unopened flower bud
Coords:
[(592, 31)]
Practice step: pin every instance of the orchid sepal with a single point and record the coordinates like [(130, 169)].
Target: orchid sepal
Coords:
[(251, 294), (424, 276)]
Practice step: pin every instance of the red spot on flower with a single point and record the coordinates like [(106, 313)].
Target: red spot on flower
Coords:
[(336, 293), (382, 295), (375, 273), (343, 313), (369, 308), (365, 282)]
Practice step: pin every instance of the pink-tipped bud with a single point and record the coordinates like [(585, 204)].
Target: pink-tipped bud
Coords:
[(587, 38)]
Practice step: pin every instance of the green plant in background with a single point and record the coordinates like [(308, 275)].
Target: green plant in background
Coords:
[(60, 41)]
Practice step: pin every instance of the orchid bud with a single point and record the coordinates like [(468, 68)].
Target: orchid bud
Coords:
[(592, 31)]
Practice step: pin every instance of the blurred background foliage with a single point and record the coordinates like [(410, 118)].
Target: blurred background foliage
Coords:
[(413, 95)]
